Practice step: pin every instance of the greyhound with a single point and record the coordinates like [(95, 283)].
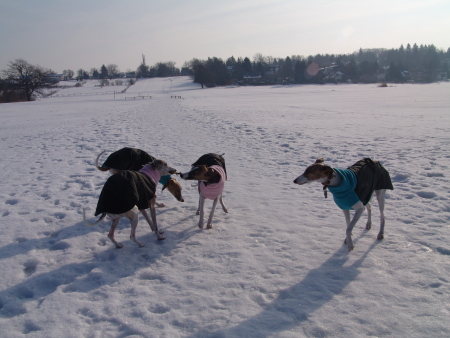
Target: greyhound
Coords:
[(352, 188)]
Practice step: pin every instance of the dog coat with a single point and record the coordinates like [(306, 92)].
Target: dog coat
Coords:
[(344, 194), (213, 190), (370, 176), (210, 160), (359, 181), (128, 159), (126, 189)]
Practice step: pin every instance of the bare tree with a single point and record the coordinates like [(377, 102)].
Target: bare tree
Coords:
[(258, 57), (68, 73), (27, 78), (113, 70), (82, 74)]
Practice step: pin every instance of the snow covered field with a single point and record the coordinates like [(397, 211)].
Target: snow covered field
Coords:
[(275, 265)]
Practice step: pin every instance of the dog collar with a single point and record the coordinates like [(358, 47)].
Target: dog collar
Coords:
[(165, 179)]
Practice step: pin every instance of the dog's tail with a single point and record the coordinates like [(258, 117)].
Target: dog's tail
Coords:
[(90, 224), (96, 162)]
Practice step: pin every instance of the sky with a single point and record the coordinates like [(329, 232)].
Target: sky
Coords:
[(84, 34)]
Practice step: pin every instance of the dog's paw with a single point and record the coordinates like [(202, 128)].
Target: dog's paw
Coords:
[(368, 226), (161, 237), (209, 226), (380, 236), (198, 212), (349, 243), (160, 231), (200, 226), (119, 245)]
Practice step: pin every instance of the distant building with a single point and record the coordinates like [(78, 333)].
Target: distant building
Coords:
[(185, 71), (55, 78)]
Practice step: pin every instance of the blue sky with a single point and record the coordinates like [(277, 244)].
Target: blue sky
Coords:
[(62, 34)]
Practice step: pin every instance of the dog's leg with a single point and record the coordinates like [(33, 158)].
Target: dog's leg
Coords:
[(153, 215), (359, 209), (347, 221), (347, 217), (381, 197), (211, 214), (133, 216), (224, 208), (369, 216), (147, 218), (115, 223), (144, 213), (199, 199), (201, 208), (199, 204)]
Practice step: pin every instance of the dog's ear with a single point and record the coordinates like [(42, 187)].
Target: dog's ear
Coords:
[(319, 160), (329, 171)]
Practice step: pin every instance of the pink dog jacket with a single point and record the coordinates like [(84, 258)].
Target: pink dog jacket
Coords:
[(214, 190), (151, 173)]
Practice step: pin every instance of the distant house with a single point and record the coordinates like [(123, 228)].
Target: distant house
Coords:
[(55, 78), (330, 76), (252, 79), (185, 71), (338, 76), (441, 76)]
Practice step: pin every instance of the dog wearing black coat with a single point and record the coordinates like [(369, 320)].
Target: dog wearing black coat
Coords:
[(352, 189), (134, 159), (127, 192), (211, 173)]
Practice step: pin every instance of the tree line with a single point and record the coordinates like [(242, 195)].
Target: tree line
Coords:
[(22, 81), (425, 63)]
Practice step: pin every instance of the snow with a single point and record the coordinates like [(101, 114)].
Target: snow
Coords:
[(275, 265)]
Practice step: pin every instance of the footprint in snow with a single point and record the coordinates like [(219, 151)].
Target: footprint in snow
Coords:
[(427, 194)]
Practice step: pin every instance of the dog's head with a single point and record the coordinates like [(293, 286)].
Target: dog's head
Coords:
[(199, 173), (162, 167), (174, 188), (316, 172)]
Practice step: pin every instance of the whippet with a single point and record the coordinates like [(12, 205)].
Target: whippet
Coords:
[(127, 192), (210, 171), (352, 189), (134, 159)]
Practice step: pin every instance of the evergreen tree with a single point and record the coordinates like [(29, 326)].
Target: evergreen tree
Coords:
[(142, 70), (287, 69), (247, 65), (260, 69), (299, 72), (103, 72), (231, 61)]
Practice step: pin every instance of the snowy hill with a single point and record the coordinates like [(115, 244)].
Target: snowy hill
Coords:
[(275, 265)]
